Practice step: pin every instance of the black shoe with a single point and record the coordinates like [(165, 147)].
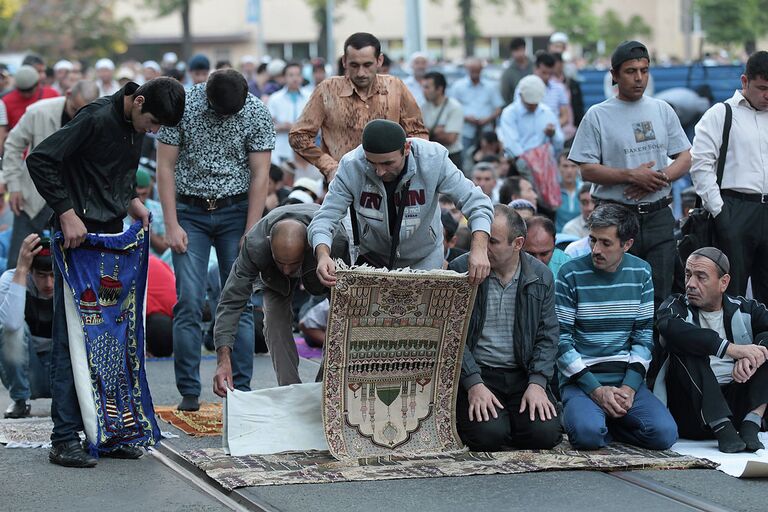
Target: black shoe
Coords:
[(748, 432), (18, 409), (71, 455), (728, 440), (124, 452), (189, 403)]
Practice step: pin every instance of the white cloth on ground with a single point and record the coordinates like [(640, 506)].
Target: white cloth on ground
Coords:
[(274, 420)]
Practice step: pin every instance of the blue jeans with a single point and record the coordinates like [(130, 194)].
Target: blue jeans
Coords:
[(65, 409), (648, 424), (24, 371), (221, 228)]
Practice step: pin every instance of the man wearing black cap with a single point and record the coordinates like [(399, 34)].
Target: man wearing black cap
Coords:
[(212, 175), (26, 312), (393, 184), (623, 146), (199, 68), (715, 379)]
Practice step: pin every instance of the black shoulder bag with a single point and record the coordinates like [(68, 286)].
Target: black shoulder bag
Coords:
[(698, 230)]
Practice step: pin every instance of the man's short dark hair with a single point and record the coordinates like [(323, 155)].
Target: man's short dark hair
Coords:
[(438, 79), (275, 173), (557, 56), (544, 59), (510, 187), (163, 98), (517, 43), (515, 223), (360, 40), (291, 65), (545, 223), (33, 59), (227, 91), (385, 60), (757, 66), (586, 188), (612, 214)]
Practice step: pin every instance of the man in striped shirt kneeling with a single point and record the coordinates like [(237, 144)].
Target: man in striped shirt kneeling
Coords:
[(604, 303)]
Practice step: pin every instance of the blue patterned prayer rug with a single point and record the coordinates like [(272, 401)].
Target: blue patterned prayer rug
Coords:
[(105, 285)]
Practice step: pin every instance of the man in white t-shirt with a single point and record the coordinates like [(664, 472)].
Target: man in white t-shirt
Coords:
[(715, 381)]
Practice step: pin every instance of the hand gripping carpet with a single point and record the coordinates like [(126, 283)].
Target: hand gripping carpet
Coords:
[(105, 282), (393, 356)]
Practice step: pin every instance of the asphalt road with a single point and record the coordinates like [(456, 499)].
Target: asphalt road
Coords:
[(31, 483)]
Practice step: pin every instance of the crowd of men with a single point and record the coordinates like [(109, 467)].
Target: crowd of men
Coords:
[(258, 181)]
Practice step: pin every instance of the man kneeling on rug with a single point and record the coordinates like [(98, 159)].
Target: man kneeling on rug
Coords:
[(26, 312), (715, 375), (504, 401), (604, 302), (275, 256)]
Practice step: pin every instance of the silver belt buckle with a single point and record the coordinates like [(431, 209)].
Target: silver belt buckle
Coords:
[(643, 208), (210, 204)]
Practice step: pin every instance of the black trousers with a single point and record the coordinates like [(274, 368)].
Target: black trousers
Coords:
[(695, 398), (742, 234), (655, 243), (159, 335), (511, 429)]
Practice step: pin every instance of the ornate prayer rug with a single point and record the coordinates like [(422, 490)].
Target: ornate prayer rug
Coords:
[(205, 422), (318, 467), (393, 356), (26, 432), (105, 282)]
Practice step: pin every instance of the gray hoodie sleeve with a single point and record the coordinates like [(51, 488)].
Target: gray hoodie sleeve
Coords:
[(334, 208), (234, 297), (470, 199)]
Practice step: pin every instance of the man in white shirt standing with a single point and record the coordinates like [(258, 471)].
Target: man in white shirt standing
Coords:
[(286, 106), (739, 204)]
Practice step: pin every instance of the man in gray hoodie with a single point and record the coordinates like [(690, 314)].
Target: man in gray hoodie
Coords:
[(393, 184)]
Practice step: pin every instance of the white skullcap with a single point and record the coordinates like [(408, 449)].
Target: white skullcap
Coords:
[(558, 37), (151, 64), (418, 55), (248, 59), (314, 186), (124, 73), (532, 89), (63, 64), (275, 67), (105, 64), (170, 58)]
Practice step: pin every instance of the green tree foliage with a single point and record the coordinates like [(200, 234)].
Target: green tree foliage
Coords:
[(739, 22), (64, 28), (613, 31), (575, 18), (182, 7), (469, 23), (319, 13)]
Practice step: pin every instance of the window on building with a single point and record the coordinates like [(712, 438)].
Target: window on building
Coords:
[(301, 52), (276, 50)]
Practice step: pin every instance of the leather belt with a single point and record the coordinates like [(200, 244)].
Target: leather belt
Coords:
[(640, 208), (754, 198), (212, 203)]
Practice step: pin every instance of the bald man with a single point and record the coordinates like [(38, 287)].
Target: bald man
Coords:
[(274, 257)]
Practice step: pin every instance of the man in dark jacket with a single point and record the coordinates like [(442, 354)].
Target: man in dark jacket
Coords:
[(86, 172), (504, 400), (715, 378), (275, 256)]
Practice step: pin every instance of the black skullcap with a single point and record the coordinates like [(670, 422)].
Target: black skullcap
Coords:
[(716, 255), (382, 136), (43, 260)]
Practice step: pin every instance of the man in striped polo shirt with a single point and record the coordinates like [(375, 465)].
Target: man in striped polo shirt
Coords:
[(604, 303)]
